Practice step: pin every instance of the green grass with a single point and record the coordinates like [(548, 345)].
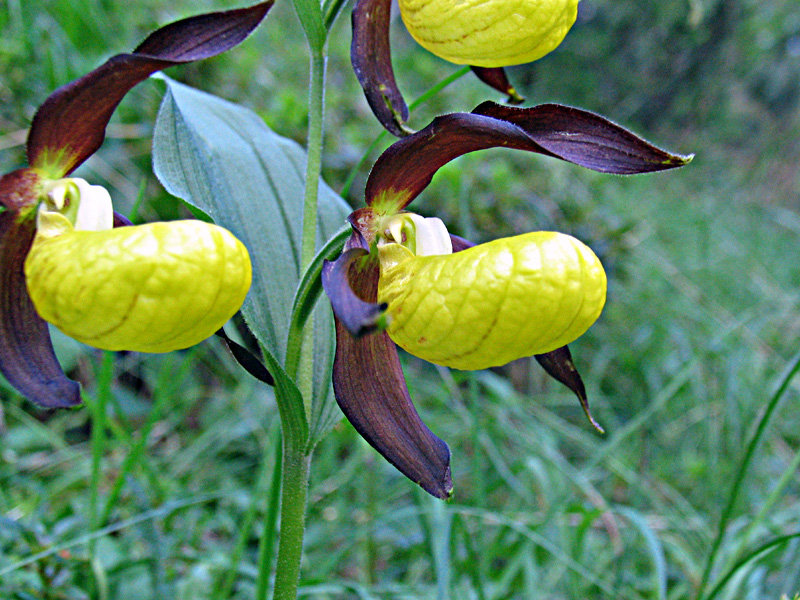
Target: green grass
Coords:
[(169, 498)]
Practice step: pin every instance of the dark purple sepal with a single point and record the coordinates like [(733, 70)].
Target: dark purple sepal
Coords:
[(121, 220), (356, 315), (372, 62), (558, 364), (370, 388), (27, 358), (70, 125), (586, 139), (406, 167), (248, 361), (460, 243), (496, 78)]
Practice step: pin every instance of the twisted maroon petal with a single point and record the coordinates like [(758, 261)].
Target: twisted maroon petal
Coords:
[(70, 125), (27, 358), (570, 134), (371, 56), (368, 380), (559, 365)]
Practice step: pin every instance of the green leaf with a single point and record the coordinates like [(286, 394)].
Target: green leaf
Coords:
[(311, 18), (223, 159)]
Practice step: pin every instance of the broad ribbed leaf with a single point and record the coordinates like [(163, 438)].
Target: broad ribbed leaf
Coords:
[(223, 159), (70, 125)]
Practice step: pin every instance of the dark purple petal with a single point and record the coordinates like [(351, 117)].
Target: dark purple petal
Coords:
[(496, 78), (121, 220), (558, 364), (247, 359), (71, 123), (357, 316), (27, 358), (372, 62), (570, 134), (407, 166), (460, 243), (371, 390), (586, 139)]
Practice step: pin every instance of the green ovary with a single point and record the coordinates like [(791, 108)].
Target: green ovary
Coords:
[(494, 303), (150, 288), (489, 33)]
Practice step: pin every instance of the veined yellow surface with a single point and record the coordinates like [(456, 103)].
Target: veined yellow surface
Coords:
[(151, 288), (493, 303), (489, 33)]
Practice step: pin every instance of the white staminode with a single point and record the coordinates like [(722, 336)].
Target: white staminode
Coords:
[(423, 236), (88, 207)]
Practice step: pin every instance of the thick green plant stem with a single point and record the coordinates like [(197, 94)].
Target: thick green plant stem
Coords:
[(316, 116), (296, 469), (296, 454), (266, 543)]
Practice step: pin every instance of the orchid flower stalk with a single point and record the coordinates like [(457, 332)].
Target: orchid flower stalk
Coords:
[(404, 280)]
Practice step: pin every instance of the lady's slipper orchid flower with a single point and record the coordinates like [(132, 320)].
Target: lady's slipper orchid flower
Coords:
[(404, 280), (487, 35), (154, 287)]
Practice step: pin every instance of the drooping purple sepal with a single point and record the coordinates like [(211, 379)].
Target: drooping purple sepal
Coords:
[(559, 365), (70, 125), (27, 359), (570, 134), (368, 380), (371, 56)]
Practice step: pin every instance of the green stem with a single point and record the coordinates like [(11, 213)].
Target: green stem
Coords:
[(316, 116), (296, 457), (266, 543), (296, 468)]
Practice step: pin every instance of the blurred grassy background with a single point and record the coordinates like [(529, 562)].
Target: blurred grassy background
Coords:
[(703, 317)]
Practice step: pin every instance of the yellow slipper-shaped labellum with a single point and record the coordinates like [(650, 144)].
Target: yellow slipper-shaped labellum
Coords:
[(493, 303), (150, 288), (489, 33)]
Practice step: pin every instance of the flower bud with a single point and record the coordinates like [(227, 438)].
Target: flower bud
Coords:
[(489, 33), (151, 288), (493, 303)]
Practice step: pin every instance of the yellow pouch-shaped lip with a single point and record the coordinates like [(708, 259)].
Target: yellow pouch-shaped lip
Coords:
[(493, 303), (489, 33), (151, 288)]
